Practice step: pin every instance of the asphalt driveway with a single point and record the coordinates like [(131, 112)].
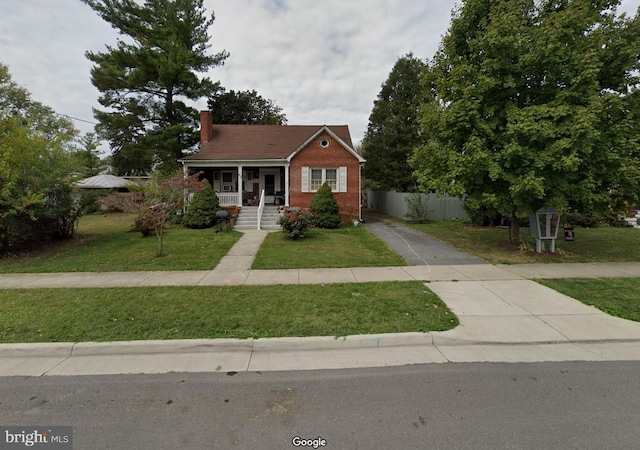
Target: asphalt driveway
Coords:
[(415, 247)]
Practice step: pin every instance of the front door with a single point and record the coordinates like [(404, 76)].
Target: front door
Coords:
[(269, 184)]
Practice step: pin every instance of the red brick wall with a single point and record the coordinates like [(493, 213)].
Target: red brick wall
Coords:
[(333, 156)]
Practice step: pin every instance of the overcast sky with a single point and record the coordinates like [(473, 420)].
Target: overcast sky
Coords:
[(322, 62)]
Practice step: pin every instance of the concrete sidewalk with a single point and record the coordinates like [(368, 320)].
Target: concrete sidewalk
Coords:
[(504, 316), (234, 270)]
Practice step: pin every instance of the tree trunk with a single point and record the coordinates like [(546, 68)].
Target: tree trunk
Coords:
[(514, 229), (160, 236)]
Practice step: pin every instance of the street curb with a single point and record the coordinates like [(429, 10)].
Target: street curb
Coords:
[(315, 343)]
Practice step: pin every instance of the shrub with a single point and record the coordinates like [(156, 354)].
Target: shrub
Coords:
[(417, 208), (89, 200), (295, 223), (576, 219), (202, 209), (325, 209), (142, 224)]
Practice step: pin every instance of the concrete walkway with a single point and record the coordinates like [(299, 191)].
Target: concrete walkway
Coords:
[(504, 316)]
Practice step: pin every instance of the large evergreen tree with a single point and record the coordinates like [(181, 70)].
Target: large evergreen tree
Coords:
[(244, 108), (533, 103), (145, 79), (393, 131)]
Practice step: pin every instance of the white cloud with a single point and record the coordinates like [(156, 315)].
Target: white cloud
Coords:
[(322, 62)]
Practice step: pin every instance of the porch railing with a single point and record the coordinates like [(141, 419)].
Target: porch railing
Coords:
[(260, 209), (229, 198)]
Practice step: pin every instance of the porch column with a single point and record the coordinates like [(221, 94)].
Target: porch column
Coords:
[(240, 186), (286, 185)]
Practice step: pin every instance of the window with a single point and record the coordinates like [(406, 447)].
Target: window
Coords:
[(313, 179), (324, 143), (316, 179), (331, 178)]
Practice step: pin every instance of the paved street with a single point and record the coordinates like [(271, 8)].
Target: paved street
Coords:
[(566, 405)]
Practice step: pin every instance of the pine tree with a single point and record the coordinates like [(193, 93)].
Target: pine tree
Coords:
[(393, 131), (146, 78)]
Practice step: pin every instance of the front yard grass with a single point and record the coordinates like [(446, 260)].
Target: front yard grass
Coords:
[(615, 296), (601, 244), (105, 244), (347, 246), (117, 314)]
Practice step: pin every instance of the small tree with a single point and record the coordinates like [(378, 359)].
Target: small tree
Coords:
[(156, 203), (417, 208), (203, 207), (325, 209)]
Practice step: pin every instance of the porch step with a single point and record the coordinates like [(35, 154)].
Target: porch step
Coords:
[(248, 218)]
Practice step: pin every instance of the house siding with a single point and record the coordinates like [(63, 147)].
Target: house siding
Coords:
[(333, 156)]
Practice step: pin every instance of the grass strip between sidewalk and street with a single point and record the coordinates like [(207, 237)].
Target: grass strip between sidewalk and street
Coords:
[(121, 314), (615, 296)]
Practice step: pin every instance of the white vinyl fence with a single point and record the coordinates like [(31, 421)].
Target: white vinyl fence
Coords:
[(440, 208)]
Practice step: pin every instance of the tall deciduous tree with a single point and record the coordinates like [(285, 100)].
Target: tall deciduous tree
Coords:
[(534, 103), (35, 166), (147, 77), (244, 108), (394, 130)]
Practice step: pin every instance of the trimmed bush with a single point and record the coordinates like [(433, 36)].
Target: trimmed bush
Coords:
[(202, 209), (325, 209)]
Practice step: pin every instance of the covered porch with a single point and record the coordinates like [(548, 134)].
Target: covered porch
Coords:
[(242, 184)]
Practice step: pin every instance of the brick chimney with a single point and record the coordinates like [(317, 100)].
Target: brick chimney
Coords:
[(206, 126)]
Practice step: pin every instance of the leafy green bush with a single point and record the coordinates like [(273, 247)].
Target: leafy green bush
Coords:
[(325, 209), (295, 223), (576, 219), (89, 200), (202, 209), (417, 208)]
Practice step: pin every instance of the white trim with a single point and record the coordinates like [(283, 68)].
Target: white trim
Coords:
[(326, 129), (341, 178), (276, 182)]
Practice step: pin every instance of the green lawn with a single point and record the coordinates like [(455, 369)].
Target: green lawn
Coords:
[(105, 244), (115, 314), (601, 244), (347, 246), (615, 296)]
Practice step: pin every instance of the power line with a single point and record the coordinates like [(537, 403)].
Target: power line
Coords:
[(75, 118)]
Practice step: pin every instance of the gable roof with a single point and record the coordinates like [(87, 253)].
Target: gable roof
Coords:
[(264, 142)]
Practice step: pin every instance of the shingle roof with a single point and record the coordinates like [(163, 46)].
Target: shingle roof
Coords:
[(256, 142)]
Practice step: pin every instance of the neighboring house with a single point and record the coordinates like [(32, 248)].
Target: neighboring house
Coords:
[(288, 162)]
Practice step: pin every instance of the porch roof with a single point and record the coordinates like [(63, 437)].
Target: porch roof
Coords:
[(259, 142)]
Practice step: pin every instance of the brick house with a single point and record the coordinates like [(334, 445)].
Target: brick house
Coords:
[(288, 163)]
